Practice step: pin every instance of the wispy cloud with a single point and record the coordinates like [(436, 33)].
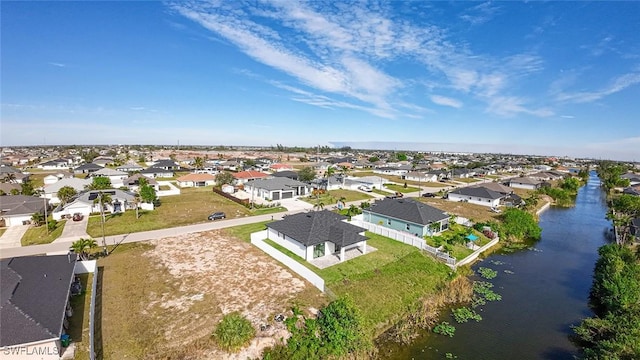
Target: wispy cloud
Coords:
[(57, 64), (446, 101), (615, 85), (480, 14)]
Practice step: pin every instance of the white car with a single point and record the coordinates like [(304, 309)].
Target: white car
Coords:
[(366, 188)]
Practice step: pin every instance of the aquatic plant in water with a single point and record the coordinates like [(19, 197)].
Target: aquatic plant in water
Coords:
[(462, 315), (444, 328), (487, 273)]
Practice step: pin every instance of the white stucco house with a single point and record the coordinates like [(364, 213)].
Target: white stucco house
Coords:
[(51, 190), (87, 202), (476, 195), (116, 177), (317, 234), (525, 183)]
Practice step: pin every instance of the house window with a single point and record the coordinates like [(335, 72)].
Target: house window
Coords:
[(280, 234), (318, 251), (408, 227), (388, 221)]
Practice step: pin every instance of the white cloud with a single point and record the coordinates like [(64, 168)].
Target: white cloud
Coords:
[(615, 85), (446, 101), (480, 14), (56, 64)]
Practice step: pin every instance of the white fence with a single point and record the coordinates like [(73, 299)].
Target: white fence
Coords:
[(174, 190), (83, 267), (405, 238), (313, 278), (477, 253)]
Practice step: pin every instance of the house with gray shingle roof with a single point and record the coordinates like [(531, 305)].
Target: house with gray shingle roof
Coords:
[(87, 202), (87, 168), (525, 183), (18, 209), (51, 190), (317, 234), (479, 195), (277, 188), (34, 303), (407, 215)]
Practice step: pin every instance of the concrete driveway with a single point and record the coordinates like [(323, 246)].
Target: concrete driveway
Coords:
[(295, 205), (13, 235), (74, 230)]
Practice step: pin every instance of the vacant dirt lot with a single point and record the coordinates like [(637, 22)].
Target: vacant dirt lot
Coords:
[(189, 283)]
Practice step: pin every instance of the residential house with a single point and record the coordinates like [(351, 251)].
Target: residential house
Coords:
[(462, 173), (196, 180), (321, 167), (634, 179), (9, 188), (280, 167), (18, 209), (231, 165), (87, 202), (407, 215), (116, 177), (87, 168), (476, 195), (276, 188), (525, 183), (389, 170), (56, 164), (242, 177), (51, 190), (286, 173), (12, 175), (497, 187), (103, 160), (133, 182), (419, 176), (34, 305), (54, 178), (154, 172), (632, 190), (129, 167), (167, 164), (317, 234)]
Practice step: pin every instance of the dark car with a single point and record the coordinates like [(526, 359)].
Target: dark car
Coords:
[(428, 195), (217, 215), (77, 217)]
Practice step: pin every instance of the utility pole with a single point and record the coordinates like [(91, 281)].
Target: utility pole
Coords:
[(46, 221)]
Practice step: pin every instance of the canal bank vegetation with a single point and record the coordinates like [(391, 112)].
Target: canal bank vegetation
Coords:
[(614, 331), (564, 194)]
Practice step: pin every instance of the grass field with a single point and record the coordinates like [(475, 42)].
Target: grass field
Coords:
[(39, 235), (401, 272), (466, 180), (192, 206), (400, 188), (331, 197), (2, 231)]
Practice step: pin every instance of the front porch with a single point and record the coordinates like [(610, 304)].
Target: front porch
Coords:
[(334, 259)]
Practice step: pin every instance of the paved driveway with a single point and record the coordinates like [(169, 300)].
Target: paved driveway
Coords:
[(296, 205), (74, 230), (13, 235)]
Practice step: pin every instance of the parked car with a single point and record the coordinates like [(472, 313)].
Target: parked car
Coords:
[(77, 217), (217, 215), (366, 188), (428, 195)]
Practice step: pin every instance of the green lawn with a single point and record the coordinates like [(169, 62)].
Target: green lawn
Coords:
[(2, 231), (331, 197), (243, 232), (79, 322), (192, 206), (466, 180), (400, 188), (457, 250), (39, 235), (383, 283)]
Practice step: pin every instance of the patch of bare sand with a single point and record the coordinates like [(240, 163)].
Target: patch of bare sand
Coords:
[(217, 276)]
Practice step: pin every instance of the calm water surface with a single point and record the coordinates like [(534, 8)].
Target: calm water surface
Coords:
[(546, 293)]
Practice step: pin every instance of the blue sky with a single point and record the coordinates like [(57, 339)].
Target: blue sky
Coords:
[(546, 78)]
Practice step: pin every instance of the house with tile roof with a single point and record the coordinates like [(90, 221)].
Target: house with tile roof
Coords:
[(317, 234), (479, 195), (34, 305), (242, 177), (407, 215), (196, 180)]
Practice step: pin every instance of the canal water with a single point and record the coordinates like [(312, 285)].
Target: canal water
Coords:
[(544, 290)]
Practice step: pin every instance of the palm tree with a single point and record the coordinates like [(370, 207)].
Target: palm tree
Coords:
[(82, 247), (352, 210), (136, 202), (198, 163), (66, 193), (318, 206), (37, 218), (330, 171), (10, 177), (102, 199)]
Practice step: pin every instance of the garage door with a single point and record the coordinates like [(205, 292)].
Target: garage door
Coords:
[(287, 195), (276, 196)]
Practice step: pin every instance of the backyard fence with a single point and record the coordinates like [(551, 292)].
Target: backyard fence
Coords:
[(405, 238), (477, 253), (244, 202), (174, 190), (313, 278), (83, 267)]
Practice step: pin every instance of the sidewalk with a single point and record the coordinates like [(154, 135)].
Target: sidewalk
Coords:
[(12, 236)]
